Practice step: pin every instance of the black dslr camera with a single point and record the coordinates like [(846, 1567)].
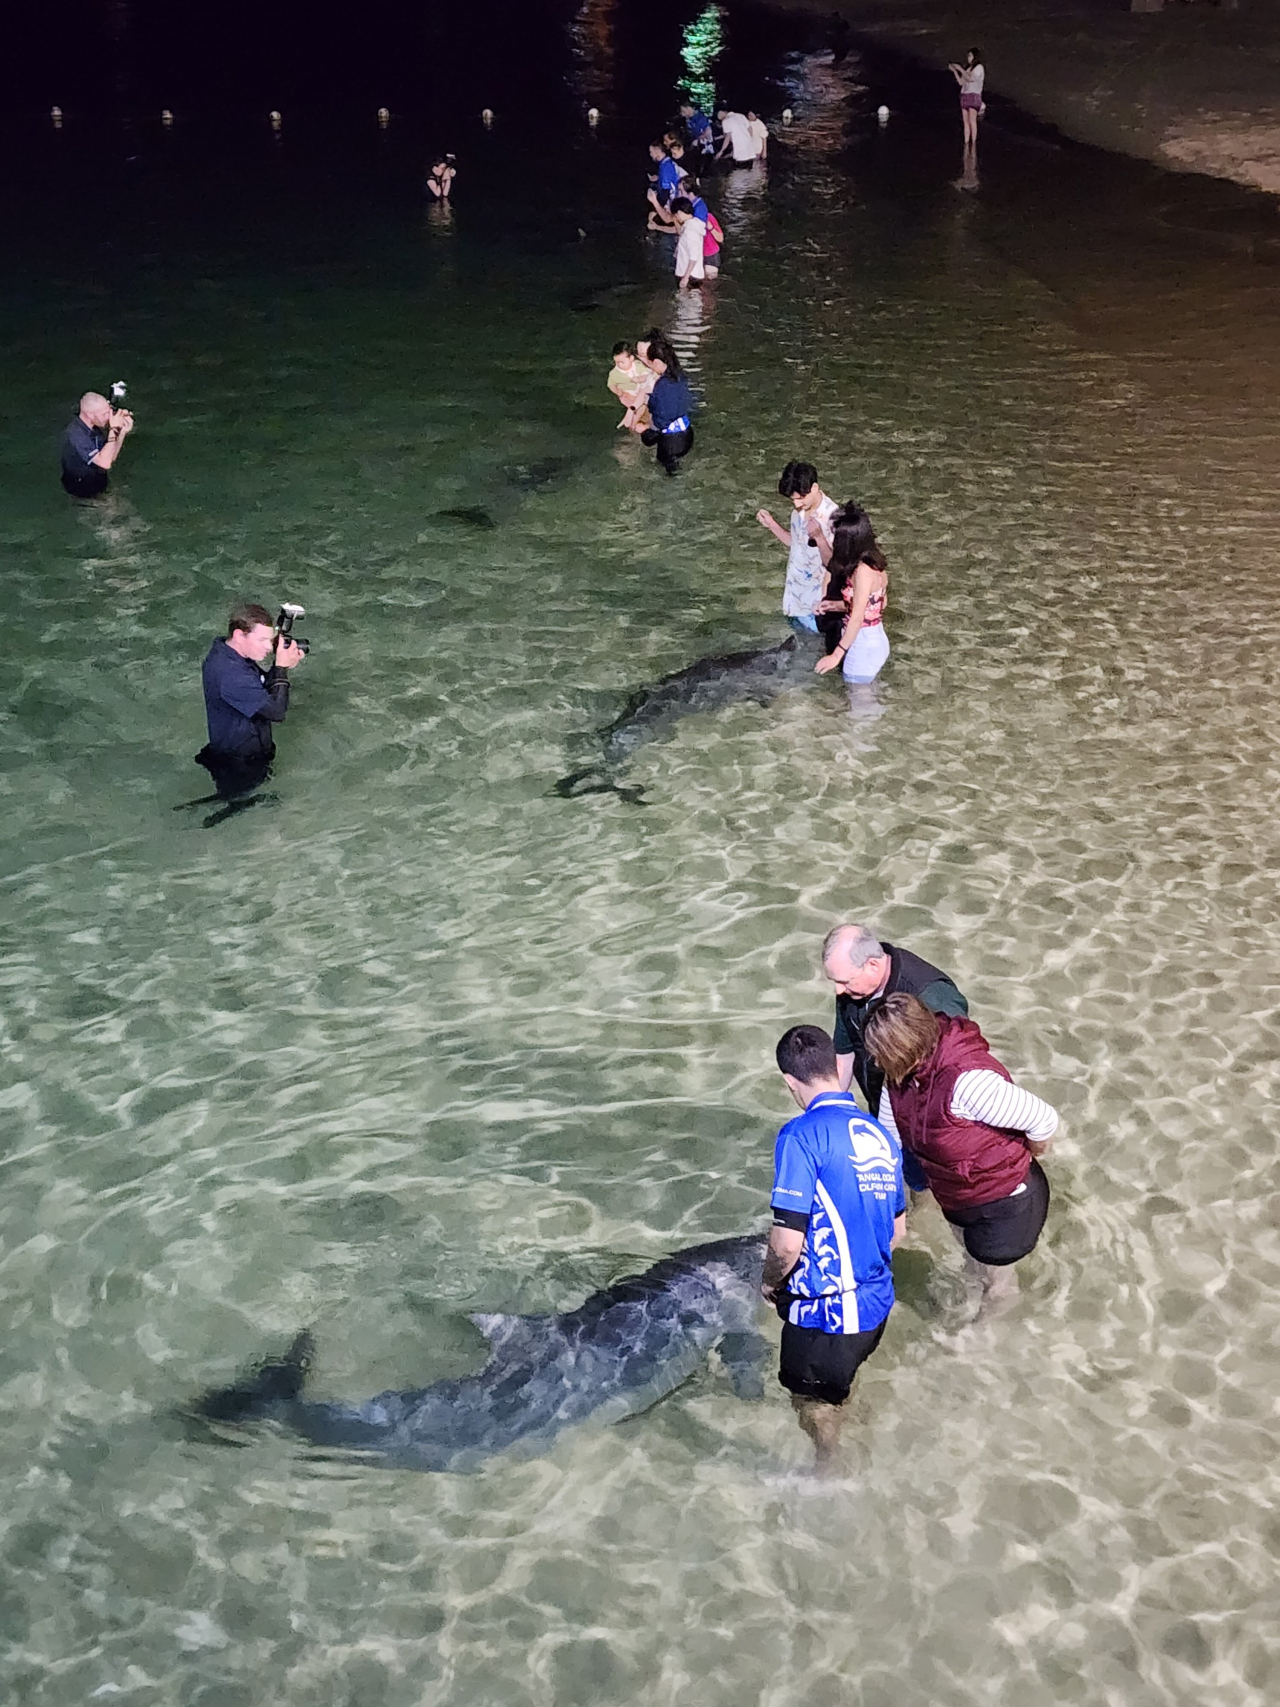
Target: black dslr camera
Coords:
[(119, 391), (284, 627)]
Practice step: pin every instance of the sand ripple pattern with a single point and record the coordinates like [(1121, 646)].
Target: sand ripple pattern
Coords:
[(423, 1039)]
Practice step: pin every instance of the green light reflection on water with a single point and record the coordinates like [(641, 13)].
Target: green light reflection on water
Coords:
[(702, 45)]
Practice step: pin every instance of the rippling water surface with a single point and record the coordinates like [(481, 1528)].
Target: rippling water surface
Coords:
[(421, 1038)]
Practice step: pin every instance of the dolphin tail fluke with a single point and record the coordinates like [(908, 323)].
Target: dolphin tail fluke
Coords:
[(277, 1381), (592, 779)]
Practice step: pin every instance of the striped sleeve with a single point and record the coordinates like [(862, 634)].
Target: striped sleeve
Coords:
[(984, 1095), (885, 1114)]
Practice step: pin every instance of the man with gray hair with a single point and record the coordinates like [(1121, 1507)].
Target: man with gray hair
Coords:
[(863, 969)]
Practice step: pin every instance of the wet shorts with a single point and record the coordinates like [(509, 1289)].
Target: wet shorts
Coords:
[(822, 1366), (1005, 1231)]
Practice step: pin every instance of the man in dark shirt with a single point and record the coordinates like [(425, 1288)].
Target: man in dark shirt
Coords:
[(863, 969), (91, 444), (242, 700)]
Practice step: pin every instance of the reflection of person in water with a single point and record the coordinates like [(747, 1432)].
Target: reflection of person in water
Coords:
[(242, 701)]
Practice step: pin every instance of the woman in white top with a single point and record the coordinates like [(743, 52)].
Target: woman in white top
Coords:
[(970, 76)]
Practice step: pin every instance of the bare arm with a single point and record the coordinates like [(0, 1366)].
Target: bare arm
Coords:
[(863, 586), (899, 1230), (785, 1245), (818, 539), (844, 1066), (779, 533), (121, 427)]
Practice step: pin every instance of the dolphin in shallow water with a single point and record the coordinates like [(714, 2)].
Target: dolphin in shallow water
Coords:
[(709, 685), (618, 1353)]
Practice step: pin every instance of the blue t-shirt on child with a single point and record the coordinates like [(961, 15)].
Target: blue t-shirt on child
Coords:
[(839, 1167)]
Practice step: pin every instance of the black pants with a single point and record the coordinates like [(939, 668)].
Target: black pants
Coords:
[(1005, 1231), (671, 446), (91, 484), (236, 774), (822, 1366)]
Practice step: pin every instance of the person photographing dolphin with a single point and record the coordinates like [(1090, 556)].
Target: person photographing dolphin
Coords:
[(93, 441), (243, 700), (839, 1208)]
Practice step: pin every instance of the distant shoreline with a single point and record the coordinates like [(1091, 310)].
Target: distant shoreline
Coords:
[(1194, 88)]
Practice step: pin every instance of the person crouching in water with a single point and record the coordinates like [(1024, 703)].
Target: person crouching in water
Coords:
[(671, 404), (857, 590), (690, 263), (974, 1132)]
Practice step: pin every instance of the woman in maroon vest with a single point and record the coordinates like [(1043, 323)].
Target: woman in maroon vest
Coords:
[(974, 1132)]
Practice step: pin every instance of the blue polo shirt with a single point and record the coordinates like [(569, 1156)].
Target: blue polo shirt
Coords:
[(668, 176), (81, 476), (241, 703), (837, 1166)]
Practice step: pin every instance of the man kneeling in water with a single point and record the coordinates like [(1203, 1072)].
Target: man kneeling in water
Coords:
[(839, 1207)]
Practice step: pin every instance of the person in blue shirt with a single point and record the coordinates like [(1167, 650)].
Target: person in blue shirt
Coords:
[(664, 186), (671, 403), (242, 701), (839, 1208), (91, 444), (698, 126)]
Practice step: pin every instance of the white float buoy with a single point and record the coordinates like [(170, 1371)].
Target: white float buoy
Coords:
[(786, 115), (593, 115), (166, 118), (487, 117), (55, 113), (882, 113), (384, 117), (276, 120)]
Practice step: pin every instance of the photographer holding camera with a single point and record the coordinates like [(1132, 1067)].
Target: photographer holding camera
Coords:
[(242, 700), (92, 442)]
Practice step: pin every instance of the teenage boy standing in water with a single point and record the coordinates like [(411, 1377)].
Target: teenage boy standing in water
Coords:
[(808, 543), (839, 1208)]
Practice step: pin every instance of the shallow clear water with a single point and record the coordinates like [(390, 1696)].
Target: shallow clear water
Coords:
[(422, 1038)]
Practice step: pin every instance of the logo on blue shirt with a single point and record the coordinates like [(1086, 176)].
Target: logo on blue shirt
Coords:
[(844, 1170)]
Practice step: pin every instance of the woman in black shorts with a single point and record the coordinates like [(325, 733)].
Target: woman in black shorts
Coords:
[(974, 1132)]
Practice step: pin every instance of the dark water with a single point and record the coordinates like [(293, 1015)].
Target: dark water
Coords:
[(421, 1038)]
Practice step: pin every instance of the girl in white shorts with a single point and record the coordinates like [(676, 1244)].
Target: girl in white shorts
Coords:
[(864, 645)]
